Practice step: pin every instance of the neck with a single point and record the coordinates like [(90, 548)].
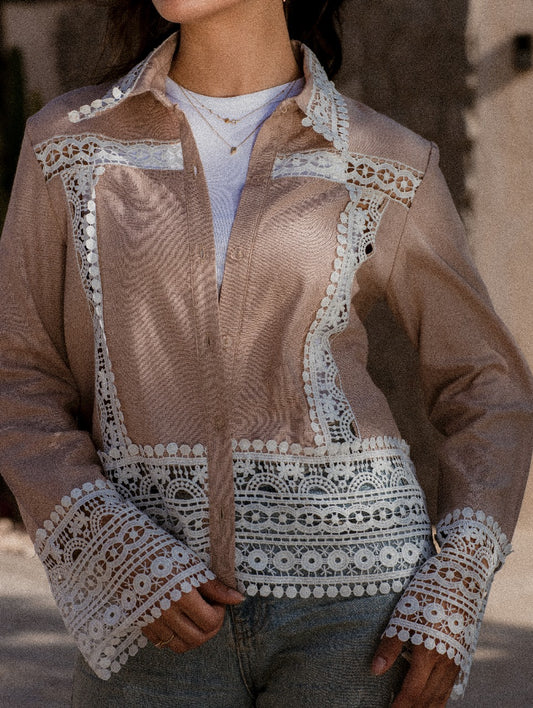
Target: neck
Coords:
[(240, 50)]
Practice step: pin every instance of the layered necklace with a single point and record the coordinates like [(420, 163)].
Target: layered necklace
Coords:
[(202, 109)]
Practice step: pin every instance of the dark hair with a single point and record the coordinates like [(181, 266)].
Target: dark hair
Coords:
[(134, 28)]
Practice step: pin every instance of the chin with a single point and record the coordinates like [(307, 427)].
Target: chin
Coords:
[(185, 11)]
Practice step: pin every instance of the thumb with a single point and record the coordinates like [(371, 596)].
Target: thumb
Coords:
[(216, 591), (388, 651)]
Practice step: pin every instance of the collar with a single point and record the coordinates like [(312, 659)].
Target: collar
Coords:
[(323, 106)]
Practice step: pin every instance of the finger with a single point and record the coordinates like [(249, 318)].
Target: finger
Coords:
[(440, 684), (386, 654), (156, 635), (422, 662), (186, 628), (216, 591), (189, 632), (178, 646), (207, 617)]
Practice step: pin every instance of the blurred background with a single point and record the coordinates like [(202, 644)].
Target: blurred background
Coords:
[(457, 72)]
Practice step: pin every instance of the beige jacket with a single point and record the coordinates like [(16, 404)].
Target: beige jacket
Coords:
[(151, 431)]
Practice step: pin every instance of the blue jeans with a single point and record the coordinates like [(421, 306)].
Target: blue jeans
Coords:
[(270, 653)]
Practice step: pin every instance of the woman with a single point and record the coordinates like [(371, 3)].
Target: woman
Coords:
[(176, 438)]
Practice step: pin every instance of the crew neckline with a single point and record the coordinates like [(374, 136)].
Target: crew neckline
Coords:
[(259, 95)]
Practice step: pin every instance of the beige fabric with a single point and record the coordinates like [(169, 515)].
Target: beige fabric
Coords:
[(280, 360)]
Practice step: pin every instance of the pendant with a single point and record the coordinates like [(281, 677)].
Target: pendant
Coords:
[(230, 120), (233, 150)]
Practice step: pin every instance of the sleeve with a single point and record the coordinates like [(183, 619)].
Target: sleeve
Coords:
[(479, 395), (111, 568)]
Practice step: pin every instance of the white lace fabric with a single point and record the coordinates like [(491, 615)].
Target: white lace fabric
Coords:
[(444, 603), (112, 571)]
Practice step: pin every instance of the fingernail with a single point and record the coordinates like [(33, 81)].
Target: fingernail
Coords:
[(378, 666)]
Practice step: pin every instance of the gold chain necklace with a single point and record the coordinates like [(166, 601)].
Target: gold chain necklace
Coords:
[(233, 121), (232, 148)]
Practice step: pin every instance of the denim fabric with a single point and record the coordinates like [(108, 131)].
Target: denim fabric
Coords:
[(270, 653)]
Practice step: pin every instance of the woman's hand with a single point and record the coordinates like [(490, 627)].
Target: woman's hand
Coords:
[(193, 619), (429, 680)]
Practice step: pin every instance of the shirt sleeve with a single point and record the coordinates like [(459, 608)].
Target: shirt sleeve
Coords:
[(479, 395), (111, 568)]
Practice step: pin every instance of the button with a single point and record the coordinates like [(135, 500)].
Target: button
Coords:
[(201, 252), (226, 341), (236, 254)]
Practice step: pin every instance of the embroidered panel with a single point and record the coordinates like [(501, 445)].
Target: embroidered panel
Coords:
[(444, 604), (352, 523), (111, 572), (397, 181), (80, 161)]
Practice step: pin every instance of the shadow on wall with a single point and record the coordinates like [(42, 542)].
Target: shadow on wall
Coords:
[(81, 54), (408, 59), (496, 69)]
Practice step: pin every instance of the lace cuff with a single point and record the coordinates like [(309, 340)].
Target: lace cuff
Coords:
[(112, 570), (445, 601)]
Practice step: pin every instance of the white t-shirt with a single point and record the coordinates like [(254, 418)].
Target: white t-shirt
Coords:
[(226, 173)]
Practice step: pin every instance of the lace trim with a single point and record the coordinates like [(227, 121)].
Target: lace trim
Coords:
[(349, 521), (114, 96), (326, 110), (112, 572), (394, 179), (332, 418), (64, 152), (170, 484), (445, 602), (80, 161)]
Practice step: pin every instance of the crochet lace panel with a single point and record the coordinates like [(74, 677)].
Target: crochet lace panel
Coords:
[(112, 571), (76, 152), (444, 603), (397, 181), (339, 520), (332, 418)]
